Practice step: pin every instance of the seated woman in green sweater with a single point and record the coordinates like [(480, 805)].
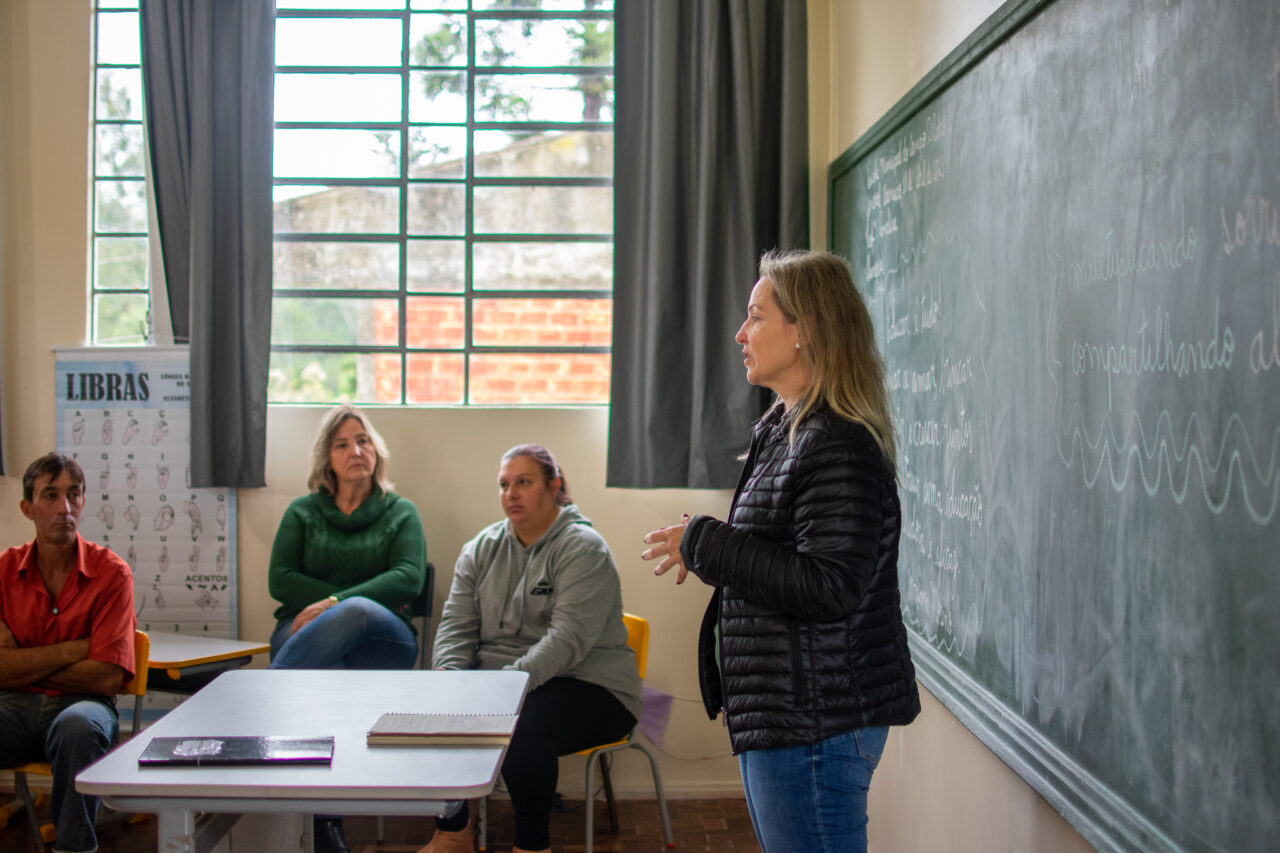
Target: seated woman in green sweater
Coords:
[(346, 562), (348, 559)]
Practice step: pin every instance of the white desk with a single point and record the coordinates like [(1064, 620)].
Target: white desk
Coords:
[(198, 805), (183, 663)]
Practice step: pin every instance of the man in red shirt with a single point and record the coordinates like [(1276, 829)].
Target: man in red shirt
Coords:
[(66, 645)]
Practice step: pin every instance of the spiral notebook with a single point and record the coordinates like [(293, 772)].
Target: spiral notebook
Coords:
[(226, 751), (442, 730)]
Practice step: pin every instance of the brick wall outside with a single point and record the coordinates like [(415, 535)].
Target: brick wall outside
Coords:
[(497, 379), (438, 323)]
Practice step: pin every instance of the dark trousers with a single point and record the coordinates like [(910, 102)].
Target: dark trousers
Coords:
[(70, 732), (561, 717)]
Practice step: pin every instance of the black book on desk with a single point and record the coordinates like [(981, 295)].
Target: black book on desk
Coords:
[(226, 751)]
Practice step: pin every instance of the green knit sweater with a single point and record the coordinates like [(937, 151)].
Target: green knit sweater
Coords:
[(379, 551)]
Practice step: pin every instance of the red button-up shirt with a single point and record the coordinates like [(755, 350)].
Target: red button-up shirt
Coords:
[(95, 602)]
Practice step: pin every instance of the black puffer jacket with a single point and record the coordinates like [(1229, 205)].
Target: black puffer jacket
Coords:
[(812, 642)]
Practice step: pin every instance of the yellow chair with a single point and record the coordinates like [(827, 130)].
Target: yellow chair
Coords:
[(638, 640), (136, 687)]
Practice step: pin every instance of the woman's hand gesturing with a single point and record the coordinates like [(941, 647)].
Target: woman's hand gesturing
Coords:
[(666, 546)]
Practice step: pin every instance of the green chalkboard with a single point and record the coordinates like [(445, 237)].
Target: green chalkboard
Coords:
[(1069, 236)]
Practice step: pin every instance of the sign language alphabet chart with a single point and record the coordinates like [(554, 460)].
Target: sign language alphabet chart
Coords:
[(126, 421)]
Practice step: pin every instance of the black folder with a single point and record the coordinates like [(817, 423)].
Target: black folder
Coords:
[(225, 751)]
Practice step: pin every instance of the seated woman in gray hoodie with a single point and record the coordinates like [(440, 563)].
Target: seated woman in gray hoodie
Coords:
[(539, 592)]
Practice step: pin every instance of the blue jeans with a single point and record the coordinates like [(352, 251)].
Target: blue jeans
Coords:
[(355, 633), (70, 732), (813, 798)]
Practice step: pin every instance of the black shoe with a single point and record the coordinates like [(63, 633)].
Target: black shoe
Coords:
[(329, 838)]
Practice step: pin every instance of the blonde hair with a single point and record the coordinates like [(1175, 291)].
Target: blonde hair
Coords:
[(815, 290), (322, 478)]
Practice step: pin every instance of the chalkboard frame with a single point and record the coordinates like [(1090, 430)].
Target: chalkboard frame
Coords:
[(1101, 816), (1002, 24)]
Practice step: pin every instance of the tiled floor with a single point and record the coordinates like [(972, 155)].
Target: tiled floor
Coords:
[(716, 826)]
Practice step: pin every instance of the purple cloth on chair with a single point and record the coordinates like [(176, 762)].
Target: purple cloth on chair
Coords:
[(655, 713)]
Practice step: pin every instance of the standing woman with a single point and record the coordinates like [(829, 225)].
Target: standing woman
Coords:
[(347, 561), (803, 647)]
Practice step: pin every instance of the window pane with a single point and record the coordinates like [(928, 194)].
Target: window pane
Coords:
[(121, 206), (121, 318), (539, 379), (542, 322), (328, 210), (544, 97), (338, 322), (434, 378), (435, 322), (555, 154), (438, 40), (339, 4), (543, 210), (120, 263), (338, 97), (438, 265), (333, 266), (438, 96), (542, 266), (119, 94), (536, 43), (118, 38), (315, 377), (373, 268), (437, 209), (337, 153), (437, 152), (386, 377), (547, 5), (338, 41), (439, 4), (119, 150)]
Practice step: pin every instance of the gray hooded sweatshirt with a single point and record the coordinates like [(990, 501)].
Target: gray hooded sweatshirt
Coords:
[(551, 609)]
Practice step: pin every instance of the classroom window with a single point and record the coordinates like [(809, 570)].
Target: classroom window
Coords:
[(443, 202), (120, 299), (443, 199)]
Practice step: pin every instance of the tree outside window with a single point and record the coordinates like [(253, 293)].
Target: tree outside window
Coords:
[(443, 199), (444, 203)]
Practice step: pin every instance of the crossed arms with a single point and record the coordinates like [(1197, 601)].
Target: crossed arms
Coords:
[(62, 666)]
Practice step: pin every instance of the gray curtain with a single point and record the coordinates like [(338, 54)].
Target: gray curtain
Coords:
[(208, 69), (711, 169)]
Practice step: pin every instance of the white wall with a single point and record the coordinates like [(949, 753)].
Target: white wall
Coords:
[(44, 201), (938, 787)]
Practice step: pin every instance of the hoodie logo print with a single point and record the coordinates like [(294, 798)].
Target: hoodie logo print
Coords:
[(542, 587)]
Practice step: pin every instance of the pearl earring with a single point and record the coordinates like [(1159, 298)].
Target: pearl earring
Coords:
[(797, 345)]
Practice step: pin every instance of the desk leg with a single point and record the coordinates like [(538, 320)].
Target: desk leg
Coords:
[(198, 832), (289, 833), (176, 832)]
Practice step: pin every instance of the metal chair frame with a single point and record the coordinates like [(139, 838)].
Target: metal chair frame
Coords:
[(638, 640)]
